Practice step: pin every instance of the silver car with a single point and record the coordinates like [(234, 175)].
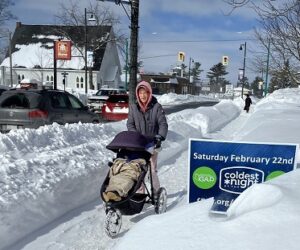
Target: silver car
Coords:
[(31, 108)]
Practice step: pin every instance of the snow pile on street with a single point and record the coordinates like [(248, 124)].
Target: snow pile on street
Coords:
[(174, 99), (265, 216), (48, 171), (45, 173), (275, 119)]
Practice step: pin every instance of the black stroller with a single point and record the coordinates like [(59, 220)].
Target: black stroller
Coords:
[(123, 143)]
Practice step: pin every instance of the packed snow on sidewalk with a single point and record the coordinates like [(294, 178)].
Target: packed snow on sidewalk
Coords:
[(45, 173)]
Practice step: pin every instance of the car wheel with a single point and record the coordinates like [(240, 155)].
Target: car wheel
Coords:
[(96, 121)]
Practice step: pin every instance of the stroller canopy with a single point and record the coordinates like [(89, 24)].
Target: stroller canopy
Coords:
[(129, 140)]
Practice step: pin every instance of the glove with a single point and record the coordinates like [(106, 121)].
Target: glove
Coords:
[(157, 141)]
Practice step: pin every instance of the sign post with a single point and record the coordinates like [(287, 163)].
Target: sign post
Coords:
[(61, 51), (223, 170)]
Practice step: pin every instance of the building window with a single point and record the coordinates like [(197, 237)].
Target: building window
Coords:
[(19, 78), (77, 82), (81, 82), (51, 78), (23, 77), (47, 78)]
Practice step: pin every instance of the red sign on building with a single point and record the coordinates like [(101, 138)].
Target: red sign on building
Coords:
[(63, 50)]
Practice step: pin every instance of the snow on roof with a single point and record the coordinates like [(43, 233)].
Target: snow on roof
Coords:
[(111, 74), (33, 45), (27, 80)]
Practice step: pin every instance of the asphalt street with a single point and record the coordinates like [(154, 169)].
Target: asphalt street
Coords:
[(169, 109)]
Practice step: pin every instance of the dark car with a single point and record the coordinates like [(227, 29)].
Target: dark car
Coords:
[(32, 108), (3, 88), (115, 108)]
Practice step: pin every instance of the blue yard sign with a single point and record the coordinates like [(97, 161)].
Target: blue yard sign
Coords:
[(223, 170)]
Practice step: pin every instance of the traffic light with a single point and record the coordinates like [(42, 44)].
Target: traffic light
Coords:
[(181, 56), (225, 60)]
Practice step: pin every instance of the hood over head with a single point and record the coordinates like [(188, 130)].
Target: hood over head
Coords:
[(145, 85)]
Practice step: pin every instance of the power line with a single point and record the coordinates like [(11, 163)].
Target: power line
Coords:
[(158, 56), (201, 41)]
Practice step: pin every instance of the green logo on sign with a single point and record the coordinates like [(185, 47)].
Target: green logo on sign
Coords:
[(274, 174), (204, 177)]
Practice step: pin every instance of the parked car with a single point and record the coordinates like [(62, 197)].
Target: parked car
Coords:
[(96, 101), (116, 108), (3, 88), (31, 108)]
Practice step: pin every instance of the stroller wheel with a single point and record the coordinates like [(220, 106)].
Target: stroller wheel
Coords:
[(161, 203), (113, 222)]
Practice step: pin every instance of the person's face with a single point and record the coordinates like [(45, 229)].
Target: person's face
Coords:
[(143, 95)]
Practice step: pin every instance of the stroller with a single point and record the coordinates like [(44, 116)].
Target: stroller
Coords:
[(128, 142)]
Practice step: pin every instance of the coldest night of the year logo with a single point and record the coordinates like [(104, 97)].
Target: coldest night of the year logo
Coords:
[(237, 179)]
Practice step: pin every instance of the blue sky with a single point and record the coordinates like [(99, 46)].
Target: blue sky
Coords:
[(199, 28)]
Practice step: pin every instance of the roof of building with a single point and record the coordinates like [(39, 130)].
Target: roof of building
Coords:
[(37, 43), (164, 79)]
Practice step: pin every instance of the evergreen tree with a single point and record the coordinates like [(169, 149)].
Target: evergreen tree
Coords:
[(257, 87), (283, 78), (216, 79), (183, 68), (196, 71)]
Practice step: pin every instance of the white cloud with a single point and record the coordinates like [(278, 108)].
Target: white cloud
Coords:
[(193, 12)]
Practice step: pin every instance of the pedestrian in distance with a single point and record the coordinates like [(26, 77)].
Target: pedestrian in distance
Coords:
[(147, 117), (248, 102)]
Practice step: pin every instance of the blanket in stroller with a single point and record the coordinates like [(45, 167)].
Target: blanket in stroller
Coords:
[(122, 176)]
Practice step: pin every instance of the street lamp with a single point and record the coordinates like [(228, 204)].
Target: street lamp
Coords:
[(243, 46), (64, 74), (85, 46)]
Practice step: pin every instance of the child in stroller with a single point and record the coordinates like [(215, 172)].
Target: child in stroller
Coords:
[(133, 152)]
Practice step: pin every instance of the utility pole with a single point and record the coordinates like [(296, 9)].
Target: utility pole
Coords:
[(10, 61), (134, 26), (85, 51), (267, 70), (244, 66), (133, 49), (54, 66), (126, 65)]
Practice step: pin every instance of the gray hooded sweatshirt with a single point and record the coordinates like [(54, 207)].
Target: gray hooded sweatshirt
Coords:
[(149, 120)]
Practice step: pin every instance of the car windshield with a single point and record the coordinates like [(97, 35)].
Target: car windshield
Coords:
[(107, 92), (118, 98), (19, 100), (103, 92)]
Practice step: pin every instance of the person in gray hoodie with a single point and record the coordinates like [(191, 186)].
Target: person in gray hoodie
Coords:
[(147, 117)]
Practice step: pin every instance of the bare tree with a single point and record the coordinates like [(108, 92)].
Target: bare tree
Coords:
[(237, 4), (5, 15), (71, 14), (280, 31)]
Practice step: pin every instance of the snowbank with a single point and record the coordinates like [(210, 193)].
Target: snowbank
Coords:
[(48, 171)]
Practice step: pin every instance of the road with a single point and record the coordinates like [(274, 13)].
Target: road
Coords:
[(169, 109)]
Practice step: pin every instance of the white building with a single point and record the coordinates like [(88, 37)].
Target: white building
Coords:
[(33, 57)]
